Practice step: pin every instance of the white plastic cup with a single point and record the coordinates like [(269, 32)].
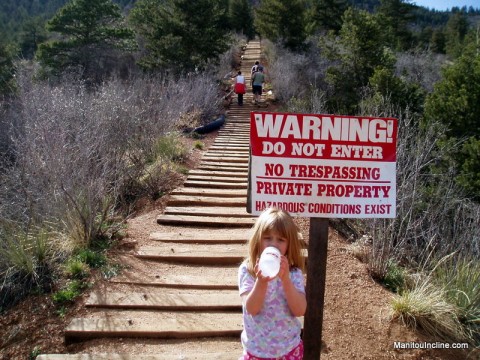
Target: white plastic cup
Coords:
[(269, 262)]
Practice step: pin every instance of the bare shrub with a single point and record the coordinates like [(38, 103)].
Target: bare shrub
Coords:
[(79, 152), (229, 60), (421, 67), (314, 103), (433, 219), (286, 72)]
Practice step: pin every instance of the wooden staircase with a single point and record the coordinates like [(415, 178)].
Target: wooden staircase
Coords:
[(209, 228)]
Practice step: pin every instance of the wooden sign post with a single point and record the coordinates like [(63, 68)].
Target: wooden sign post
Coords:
[(321, 167), (316, 276)]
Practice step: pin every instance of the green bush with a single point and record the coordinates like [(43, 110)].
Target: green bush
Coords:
[(76, 269), (91, 258), (170, 148), (68, 294), (395, 277)]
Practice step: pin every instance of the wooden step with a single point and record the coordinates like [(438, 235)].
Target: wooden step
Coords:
[(217, 178), (240, 212), (223, 166), (231, 160), (210, 165), (230, 148), (177, 325), (194, 355), (218, 173), (205, 221), (178, 281), (171, 300), (225, 154), (210, 192), (216, 184), (220, 255), (202, 236), (206, 200)]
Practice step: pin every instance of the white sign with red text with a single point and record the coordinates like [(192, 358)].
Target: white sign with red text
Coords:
[(323, 165)]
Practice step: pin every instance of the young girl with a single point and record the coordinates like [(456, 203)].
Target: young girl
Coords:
[(271, 305)]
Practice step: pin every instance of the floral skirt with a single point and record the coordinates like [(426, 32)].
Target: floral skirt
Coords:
[(295, 354)]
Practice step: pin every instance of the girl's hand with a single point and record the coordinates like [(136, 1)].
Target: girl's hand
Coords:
[(284, 272), (259, 275)]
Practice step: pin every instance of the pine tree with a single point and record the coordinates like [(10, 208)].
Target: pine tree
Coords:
[(180, 34), (456, 30), (7, 70), (241, 17), (455, 103), (89, 30), (33, 33), (395, 17), (359, 51), (284, 21), (325, 15)]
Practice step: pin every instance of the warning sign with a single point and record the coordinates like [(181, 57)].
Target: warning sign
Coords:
[(323, 165)]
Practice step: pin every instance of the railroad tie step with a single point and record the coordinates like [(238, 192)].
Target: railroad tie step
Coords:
[(219, 221), (216, 184), (218, 173), (225, 236), (206, 200), (167, 299), (236, 212), (194, 355), (207, 280), (156, 325), (231, 254), (210, 192)]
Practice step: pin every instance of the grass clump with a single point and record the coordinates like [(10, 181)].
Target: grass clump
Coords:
[(445, 303), (27, 259), (199, 145), (69, 293), (395, 278), (91, 258), (169, 147), (425, 307), (77, 269), (461, 283)]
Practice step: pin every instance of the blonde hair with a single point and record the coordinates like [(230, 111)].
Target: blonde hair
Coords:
[(278, 220)]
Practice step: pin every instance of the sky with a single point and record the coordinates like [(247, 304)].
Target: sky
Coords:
[(446, 4)]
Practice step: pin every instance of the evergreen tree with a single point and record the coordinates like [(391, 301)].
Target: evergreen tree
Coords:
[(456, 30), (455, 103), (325, 15), (394, 17), (282, 20), (241, 17), (7, 70), (359, 51), (89, 31), (180, 34), (437, 41), (33, 33)]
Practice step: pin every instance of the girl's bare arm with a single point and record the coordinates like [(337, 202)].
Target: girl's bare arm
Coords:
[(296, 300), (254, 299)]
